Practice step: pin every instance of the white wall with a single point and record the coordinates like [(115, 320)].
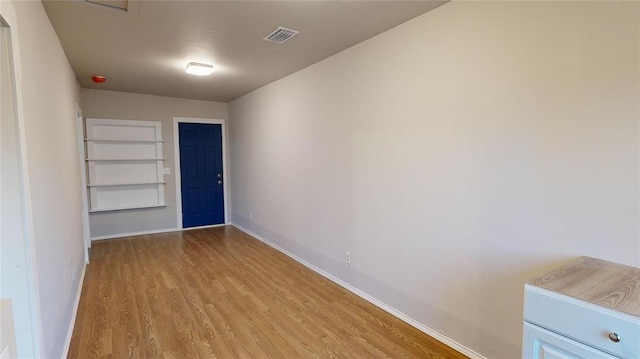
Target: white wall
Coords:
[(48, 89), (111, 104), (454, 156)]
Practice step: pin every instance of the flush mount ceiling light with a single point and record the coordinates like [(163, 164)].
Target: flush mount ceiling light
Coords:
[(199, 69)]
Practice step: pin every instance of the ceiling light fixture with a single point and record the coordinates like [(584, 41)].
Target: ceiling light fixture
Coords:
[(199, 69)]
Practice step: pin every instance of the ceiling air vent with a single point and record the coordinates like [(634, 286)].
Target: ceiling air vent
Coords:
[(280, 35), (114, 4)]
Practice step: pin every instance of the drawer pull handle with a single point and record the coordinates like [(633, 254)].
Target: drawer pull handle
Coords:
[(614, 337)]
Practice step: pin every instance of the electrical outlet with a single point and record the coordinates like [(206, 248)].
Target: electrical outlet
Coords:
[(251, 216), (347, 258)]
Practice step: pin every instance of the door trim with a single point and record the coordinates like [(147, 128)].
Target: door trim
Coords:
[(176, 161), (8, 14), (86, 232)]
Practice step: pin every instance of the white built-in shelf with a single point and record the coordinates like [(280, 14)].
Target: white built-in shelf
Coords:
[(125, 159), (121, 141), (123, 184), (127, 207), (125, 164)]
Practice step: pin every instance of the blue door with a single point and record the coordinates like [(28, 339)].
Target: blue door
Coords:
[(201, 174)]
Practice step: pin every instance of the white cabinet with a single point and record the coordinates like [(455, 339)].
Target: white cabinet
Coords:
[(543, 344), (586, 309)]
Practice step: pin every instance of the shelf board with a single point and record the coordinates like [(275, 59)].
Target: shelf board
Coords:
[(121, 141), (126, 208), (123, 184), (124, 159)]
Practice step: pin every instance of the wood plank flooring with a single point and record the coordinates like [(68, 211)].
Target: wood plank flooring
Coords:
[(219, 293)]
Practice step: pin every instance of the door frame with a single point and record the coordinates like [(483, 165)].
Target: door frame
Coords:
[(176, 160), (86, 232), (8, 14)]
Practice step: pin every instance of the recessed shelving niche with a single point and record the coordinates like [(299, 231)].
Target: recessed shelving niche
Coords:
[(125, 164)]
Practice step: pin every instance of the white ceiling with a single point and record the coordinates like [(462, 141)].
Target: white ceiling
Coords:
[(146, 48)]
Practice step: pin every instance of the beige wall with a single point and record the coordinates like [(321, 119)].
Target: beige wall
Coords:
[(49, 93), (454, 156), (110, 104)]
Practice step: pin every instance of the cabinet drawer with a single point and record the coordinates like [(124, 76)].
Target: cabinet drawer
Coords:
[(539, 343), (583, 322)]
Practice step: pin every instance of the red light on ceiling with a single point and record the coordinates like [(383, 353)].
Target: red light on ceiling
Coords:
[(98, 79)]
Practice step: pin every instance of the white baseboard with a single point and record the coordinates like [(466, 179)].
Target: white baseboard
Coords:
[(167, 230), (202, 227), (67, 343), (120, 235), (387, 308)]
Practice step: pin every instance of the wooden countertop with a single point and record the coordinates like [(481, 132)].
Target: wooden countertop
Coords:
[(596, 281)]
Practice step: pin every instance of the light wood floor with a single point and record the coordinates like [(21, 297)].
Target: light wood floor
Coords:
[(219, 293)]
